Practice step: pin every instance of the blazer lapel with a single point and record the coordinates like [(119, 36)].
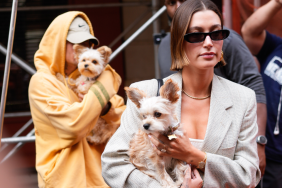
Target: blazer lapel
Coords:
[(219, 120)]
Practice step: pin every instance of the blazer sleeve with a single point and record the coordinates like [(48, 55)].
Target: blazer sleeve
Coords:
[(243, 171), (117, 171)]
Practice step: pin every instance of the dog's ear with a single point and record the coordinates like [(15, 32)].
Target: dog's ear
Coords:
[(105, 52), (169, 91), (135, 95), (78, 49)]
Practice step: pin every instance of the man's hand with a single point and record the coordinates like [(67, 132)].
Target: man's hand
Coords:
[(279, 1), (262, 160)]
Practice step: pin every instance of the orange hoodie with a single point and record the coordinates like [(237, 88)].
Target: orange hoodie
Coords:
[(64, 158)]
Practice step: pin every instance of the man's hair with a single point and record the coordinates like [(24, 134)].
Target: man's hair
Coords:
[(179, 26)]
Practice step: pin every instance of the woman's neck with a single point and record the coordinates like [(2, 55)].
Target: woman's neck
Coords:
[(197, 83)]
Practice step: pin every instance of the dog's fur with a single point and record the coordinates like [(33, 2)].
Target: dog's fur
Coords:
[(159, 113), (91, 64)]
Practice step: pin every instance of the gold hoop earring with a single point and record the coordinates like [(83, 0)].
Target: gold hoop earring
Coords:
[(221, 56)]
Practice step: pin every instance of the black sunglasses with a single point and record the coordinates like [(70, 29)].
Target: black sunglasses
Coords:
[(200, 37)]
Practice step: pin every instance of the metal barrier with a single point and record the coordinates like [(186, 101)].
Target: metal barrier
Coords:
[(24, 65)]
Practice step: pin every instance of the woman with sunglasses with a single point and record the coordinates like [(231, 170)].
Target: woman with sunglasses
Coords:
[(218, 117)]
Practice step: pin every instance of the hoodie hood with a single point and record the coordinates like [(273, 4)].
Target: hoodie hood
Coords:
[(50, 57)]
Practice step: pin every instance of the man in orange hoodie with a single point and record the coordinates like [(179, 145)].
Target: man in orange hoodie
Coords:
[(64, 158)]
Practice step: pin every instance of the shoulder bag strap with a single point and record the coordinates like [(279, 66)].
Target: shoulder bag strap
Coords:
[(160, 83)]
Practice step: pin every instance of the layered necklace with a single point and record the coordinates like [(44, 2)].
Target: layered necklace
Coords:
[(196, 98)]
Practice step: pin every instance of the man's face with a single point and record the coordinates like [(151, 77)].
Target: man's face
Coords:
[(172, 5), (70, 52)]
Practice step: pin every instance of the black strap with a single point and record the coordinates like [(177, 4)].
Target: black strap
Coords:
[(160, 83)]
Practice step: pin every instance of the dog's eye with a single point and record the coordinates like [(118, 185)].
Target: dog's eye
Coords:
[(157, 114), (83, 60), (94, 61), (144, 116)]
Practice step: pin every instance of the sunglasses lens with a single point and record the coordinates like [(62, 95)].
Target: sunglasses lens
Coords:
[(200, 37), (219, 35), (194, 37)]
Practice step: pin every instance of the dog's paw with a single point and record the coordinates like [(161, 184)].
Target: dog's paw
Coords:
[(94, 140)]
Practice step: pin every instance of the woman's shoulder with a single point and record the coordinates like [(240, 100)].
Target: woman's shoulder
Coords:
[(236, 90)]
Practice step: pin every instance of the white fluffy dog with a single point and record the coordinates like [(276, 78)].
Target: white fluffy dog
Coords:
[(158, 116), (91, 63)]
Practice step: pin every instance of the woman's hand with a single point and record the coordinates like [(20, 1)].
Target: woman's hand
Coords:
[(192, 179), (179, 148)]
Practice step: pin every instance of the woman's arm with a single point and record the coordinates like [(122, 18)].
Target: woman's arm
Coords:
[(253, 30)]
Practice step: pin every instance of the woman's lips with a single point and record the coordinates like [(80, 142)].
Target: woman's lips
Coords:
[(208, 55)]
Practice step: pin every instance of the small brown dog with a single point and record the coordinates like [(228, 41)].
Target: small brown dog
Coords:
[(158, 116), (91, 64)]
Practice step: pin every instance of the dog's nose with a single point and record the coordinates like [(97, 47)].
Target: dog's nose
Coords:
[(86, 65), (146, 126)]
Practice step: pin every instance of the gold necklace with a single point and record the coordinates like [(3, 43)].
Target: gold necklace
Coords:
[(197, 98)]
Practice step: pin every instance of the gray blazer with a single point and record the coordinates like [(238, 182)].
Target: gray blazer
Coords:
[(232, 159)]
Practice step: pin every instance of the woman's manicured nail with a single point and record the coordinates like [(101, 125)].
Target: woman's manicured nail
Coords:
[(149, 136)]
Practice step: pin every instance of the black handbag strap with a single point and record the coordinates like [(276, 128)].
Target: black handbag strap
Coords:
[(160, 83)]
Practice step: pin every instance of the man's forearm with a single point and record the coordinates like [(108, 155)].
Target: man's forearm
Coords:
[(259, 20), (261, 118), (261, 121)]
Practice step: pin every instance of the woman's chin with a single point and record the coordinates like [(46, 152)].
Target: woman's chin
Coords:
[(207, 64)]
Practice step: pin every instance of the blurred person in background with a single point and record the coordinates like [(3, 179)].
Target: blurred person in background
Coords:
[(240, 68), (267, 48), (64, 158)]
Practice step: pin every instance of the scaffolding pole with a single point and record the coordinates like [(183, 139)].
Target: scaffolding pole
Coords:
[(227, 13), (138, 32), (18, 139), (17, 147), (17, 114), (20, 131), (156, 29), (61, 7), (129, 28), (18, 61), (8, 64), (256, 4)]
